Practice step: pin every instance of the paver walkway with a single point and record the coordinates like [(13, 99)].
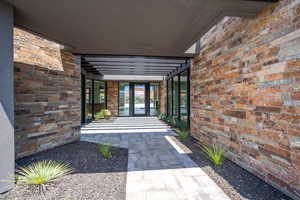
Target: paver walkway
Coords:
[(157, 168)]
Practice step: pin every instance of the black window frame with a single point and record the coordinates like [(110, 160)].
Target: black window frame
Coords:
[(170, 99), (83, 96)]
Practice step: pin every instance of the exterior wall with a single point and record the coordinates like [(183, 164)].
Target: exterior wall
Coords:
[(7, 153), (47, 95), (245, 93), (163, 96), (112, 97)]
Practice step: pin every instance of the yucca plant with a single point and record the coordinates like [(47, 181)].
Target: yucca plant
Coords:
[(105, 150), (183, 134), (42, 173), (215, 153)]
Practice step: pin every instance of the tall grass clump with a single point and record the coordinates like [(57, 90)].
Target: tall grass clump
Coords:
[(215, 153), (183, 134)]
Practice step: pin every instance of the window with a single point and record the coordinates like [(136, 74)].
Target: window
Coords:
[(99, 96), (170, 97), (184, 98), (154, 99), (175, 95), (124, 99), (95, 98), (178, 96), (88, 100)]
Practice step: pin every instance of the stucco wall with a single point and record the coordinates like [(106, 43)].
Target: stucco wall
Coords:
[(245, 93), (47, 94)]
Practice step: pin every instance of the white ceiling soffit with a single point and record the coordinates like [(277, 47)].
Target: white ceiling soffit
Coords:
[(133, 78), (131, 27)]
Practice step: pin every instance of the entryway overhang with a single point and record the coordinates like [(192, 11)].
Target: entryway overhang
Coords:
[(119, 67), (133, 27)]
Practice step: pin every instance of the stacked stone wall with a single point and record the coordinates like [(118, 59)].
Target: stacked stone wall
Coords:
[(245, 93), (47, 94)]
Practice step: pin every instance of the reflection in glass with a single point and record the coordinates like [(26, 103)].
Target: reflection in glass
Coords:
[(124, 99), (88, 100), (175, 96), (184, 96), (99, 96), (154, 98), (139, 99)]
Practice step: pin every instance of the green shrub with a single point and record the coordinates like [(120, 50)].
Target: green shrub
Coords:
[(42, 172), (104, 113), (105, 150), (182, 125), (215, 153), (99, 115), (169, 120), (183, 134), (160, 116), (173, 121)]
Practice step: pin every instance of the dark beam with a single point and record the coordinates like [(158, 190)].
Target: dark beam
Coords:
[(137, 68), (140, 73), (135, 60), (132, 64)]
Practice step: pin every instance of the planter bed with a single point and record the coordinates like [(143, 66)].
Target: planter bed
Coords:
[(94, 177), (236, 182)]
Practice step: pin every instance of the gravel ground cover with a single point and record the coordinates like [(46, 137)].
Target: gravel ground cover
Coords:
[(94, 177), (236, 182)]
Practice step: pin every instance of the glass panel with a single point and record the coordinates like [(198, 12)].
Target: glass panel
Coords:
[(154, 98), (99, 96), (124, 99), (88, 100), (170, 97), (175, 96), (184, 96), (139, 99)]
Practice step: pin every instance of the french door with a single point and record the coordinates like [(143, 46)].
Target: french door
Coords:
[(138, 99)]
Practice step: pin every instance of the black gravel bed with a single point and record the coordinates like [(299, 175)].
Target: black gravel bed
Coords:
[(94, 176), (235, 181)]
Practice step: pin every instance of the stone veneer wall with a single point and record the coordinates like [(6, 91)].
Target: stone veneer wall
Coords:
[(163, 96), (245, 93), (47, 95), (112, 97)]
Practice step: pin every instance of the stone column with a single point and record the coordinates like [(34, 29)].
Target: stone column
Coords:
[(7, 146)]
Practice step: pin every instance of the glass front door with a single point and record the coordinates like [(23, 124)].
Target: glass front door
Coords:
[(139, 99)]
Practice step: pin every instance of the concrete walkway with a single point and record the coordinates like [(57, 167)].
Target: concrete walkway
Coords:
[(157, 168)]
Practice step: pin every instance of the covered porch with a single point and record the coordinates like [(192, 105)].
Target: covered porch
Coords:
[(224, 71)]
